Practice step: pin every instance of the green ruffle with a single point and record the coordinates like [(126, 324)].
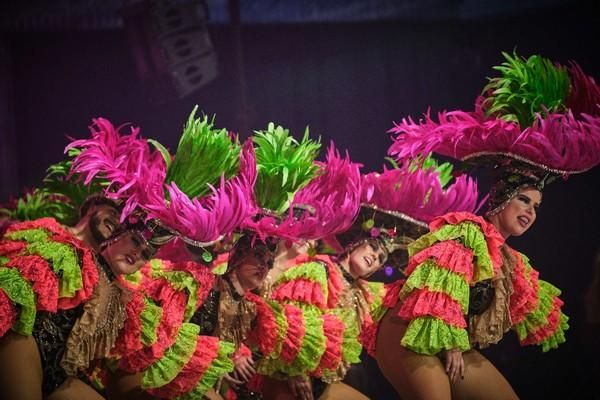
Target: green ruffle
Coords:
[(134, 279), (181, 280), (377, 291), (19, 291), (429, 335), (558, 337), (311, 349), (172, 362), (220, 269), (538, 317), (312, 270), (436, 279), (4, 260), (469, 235), (150, 318), (64, 262), (219, 367), (29, 235), (351, 347)]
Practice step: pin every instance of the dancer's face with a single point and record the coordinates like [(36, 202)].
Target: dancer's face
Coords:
[(367, 258), (520, 213), (103, 221), (127, 254), (251, 272)]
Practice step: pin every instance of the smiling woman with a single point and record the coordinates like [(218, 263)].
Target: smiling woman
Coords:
[(61, 306), (466, 287)]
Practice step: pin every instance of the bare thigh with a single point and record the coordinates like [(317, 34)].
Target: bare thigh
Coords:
[(482, 380), (275, 389), (74, 389), (341, 391), (413, 375), (124, 386), (20, 368)]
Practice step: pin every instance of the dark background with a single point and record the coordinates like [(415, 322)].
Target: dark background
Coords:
[(348, 73)]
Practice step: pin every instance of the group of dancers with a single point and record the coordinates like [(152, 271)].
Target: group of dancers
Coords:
[(240, 269)]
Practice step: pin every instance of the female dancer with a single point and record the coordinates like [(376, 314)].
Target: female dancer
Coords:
[(63, 305), (465, 286)]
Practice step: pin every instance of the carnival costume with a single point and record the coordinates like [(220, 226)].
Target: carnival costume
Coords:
[(465, 286)]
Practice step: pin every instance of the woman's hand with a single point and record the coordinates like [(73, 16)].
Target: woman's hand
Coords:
[(232, 382), (455, 365), (244, 368), (301, 387)]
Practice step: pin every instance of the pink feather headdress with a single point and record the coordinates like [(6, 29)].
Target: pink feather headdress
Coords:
[(136, 174), (325, 206)]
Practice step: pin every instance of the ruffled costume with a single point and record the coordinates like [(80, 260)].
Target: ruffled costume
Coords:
[(535, 122), (52, 287), (460, 251)]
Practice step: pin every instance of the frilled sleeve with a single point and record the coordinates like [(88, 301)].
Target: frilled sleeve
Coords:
[(316, 336), (174, 358), (460, 250), (535, 308), (42, 267)]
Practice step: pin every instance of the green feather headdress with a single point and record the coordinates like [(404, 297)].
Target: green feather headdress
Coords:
[(284, 165), (203, 155)]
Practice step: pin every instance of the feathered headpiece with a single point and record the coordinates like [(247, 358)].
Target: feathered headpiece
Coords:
[(301, 198), (536, 121), (398, 203), (202, 194)]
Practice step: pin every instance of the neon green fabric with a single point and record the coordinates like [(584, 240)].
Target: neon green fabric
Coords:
[(150, 318), (469, 235), (29, 235), (429, 335), (19, 291), (64, 262), (312, 271), (436, 279), (181, 280), (538, 317), (220, 366), (166, 369), (351, 347)]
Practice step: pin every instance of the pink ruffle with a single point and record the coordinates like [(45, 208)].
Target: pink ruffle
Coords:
[(265, 334), (302, 290), (392, 293), (202, 274), (335, 282), (207, 349), (130, 335), (43, 280), (448, 254), (10, 248), (48, 224), (173, 304), (548, 330), (89, 272), (422, 302), (242, 351), (295, 333), (493, 238), (525, 291), (8, 313), (368, 337), (333, 328)]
